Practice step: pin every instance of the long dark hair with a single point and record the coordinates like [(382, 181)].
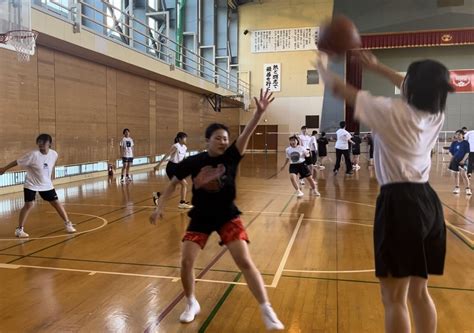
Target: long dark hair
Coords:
[(426, 86)]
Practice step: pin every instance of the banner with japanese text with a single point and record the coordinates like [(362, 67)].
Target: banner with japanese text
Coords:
[(282, 40), (272, 77)]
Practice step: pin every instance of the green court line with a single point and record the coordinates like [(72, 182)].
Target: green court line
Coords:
[(458, 213), (284, 208), (221, 301), (362, 281)]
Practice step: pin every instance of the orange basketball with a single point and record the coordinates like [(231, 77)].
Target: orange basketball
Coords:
[(338, 36)]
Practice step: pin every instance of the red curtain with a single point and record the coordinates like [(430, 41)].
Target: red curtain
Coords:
[(400, 40)]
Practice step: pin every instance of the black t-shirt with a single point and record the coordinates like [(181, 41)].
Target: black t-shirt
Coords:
[(357, 141), (322, 143), (213, 201)]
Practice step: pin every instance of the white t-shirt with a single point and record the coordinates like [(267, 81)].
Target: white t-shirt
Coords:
[(403, 137), (180, 153), (313, 144), (343, 138), (39, 168), (304, 140), (296, 155), (469, 137), (127, 147)]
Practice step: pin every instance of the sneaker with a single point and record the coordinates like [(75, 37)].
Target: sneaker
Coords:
[(302, 182), (350, 173), (335, 171), (322, 167), (468, 191), (122, 180), (70, 227), (272, 323), (185, 205), (315, 192), (299, 193), (20, 233), (456, 190), (129, 179), (191, 311), (357, 167), (156, 196)]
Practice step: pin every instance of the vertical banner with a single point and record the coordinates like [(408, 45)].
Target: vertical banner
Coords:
[(284, 40), (272, 77)]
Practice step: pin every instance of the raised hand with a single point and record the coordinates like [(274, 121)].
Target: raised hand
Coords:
[(367, 59), (264, 101)]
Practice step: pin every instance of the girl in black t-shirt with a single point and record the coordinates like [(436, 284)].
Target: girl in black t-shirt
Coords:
[(356, 151), (322, 149), (213, 173)]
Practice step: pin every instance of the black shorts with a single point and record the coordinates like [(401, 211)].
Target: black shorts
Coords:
[(455, 166), (30, 195), (322, 153), (314, 157), (308, 160), (409, 231), (355, 151), (171, 169), (300, 169), (127, 160)]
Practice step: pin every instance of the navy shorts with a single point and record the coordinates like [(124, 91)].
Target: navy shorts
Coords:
[(30, 195), (127, 160)]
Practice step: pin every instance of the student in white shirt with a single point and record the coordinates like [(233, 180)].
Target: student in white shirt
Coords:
[(176, 154), (409, 229), (305, 140), (313, 147), (469, 137), (39, 166), (342, 149), (126, 149), (296, 155)]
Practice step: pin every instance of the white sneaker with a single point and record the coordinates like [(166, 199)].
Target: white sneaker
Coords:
[(299, 193), (357, 167), (185, 205), (122, 180), (302, 182), (322, 167), (468, 191), (70, 227), (129, 179), (20, 233), (315, 192), (272, 323), (156, 196), (456, 190), (191, 311)]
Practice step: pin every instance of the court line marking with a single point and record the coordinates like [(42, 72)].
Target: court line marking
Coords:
[(104, 223), (466, 240), (283, 261), (331, 272)]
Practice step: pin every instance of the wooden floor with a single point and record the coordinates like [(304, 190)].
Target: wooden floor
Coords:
[(120, 274)]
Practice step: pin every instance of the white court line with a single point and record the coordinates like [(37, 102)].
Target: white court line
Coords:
[(331, 272), (464, 230), (104, 223), (280, 269), (95, 272)]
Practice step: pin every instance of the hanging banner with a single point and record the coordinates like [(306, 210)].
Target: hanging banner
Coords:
[(272, 77), (283, 40), (463, 80)]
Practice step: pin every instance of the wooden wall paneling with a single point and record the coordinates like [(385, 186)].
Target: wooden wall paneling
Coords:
[(133, 105), (112, 139), (193, 124), (19, 106), (81, 111), (152, 115), (46, 92), (167, 118)]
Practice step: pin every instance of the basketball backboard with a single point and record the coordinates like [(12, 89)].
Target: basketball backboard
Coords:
[(15, 15)]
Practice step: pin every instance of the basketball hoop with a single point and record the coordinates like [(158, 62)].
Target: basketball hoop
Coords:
[(23, 41)]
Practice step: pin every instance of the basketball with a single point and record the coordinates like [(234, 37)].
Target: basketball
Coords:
[(338, 36)]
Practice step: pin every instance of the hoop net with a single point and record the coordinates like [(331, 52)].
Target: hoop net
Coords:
[(23, 41)]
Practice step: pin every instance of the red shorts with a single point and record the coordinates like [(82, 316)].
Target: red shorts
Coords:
[(230, 231)]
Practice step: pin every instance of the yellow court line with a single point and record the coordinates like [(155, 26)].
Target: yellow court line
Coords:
[(283, 261), (458, 233), (332, 272)]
